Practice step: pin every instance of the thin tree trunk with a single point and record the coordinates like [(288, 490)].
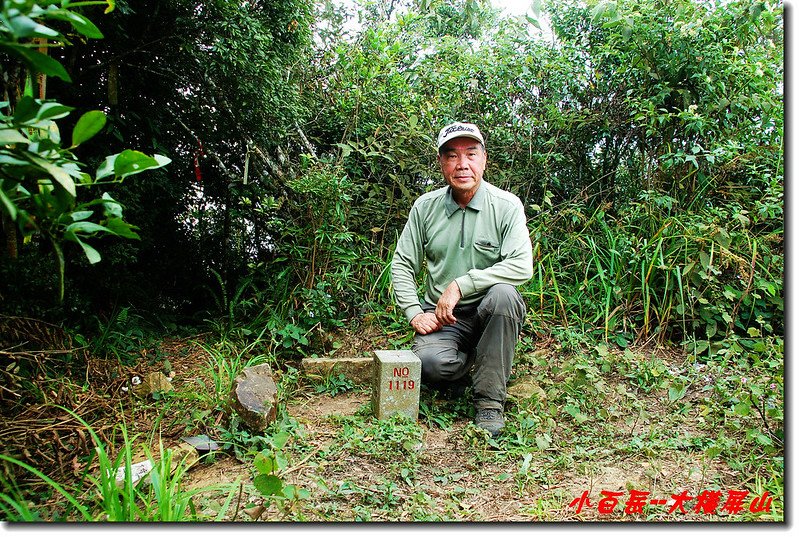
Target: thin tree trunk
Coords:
[(10, 233)]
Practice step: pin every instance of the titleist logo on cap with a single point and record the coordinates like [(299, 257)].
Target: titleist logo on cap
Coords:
[(457, 130)]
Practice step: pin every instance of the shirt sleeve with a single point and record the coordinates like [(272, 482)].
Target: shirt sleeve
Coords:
[(407, 263), (516, 257)]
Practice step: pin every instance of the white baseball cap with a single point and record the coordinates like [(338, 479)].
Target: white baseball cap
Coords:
[(458, 130)]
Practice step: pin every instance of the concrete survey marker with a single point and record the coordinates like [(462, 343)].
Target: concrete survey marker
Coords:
[(397, 379)]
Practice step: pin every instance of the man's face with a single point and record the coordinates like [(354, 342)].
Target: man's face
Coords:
[(462, 162)]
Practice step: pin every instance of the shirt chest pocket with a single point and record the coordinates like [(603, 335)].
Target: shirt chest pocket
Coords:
[(486, 251)]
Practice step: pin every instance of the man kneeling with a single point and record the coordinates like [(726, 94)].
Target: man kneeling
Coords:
[(474, 240)]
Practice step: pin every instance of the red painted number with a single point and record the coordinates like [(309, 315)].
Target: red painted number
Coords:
[(401, 384)]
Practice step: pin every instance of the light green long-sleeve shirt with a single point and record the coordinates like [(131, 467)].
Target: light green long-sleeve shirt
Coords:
[(478, 246)]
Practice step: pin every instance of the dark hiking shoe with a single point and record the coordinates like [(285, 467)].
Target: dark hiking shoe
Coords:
[(490, 419)]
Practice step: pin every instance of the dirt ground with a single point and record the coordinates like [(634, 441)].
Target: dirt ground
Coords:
[(448, 476), (452, 477)]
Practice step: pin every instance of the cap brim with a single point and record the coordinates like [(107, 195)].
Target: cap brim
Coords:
[(466, 135)]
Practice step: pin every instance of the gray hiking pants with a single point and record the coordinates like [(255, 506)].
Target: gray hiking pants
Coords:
[(482, 342)]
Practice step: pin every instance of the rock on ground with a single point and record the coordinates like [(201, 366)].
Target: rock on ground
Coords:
[(254, 397)]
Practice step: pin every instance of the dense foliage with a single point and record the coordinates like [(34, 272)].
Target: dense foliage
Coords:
[(644, 137), (40, 178), (645, 140), (207, 83)]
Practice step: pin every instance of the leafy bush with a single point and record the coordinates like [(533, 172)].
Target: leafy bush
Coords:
[(40, 178)]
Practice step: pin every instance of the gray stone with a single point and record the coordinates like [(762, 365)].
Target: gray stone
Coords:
[(254, 397), (396, 384), (359, 370), (152, 383), (202, 443)]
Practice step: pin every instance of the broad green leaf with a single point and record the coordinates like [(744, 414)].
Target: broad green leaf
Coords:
[(265, 464), (56, 172), (131, 162), (763, 440), (10, 206), (24, 27), (36, 61), (81, 24), (742, 409), (111, 206), (533, 20), (268, 485), (8, 160), (91, 254), (598, 11), (86, 228), (704, 258), (279, 439), (26, 109), (128, 163), (12, 136), (543, 441), (53, 111), (87, 126), (346, 149), (81, 215), (676, 392)]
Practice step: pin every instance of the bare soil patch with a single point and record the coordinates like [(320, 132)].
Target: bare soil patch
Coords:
[(450, 475)]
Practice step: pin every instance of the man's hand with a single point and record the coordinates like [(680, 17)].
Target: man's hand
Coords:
[(446, 304), (426, 323)]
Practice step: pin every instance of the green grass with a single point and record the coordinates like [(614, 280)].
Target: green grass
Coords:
[(650, 418), (160, 496)]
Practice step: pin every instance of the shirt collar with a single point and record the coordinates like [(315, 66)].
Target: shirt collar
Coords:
[(475, 204)]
